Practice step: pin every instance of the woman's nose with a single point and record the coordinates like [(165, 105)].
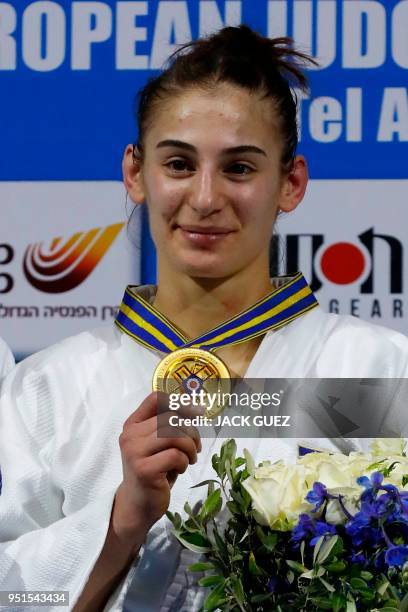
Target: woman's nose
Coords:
[(206, 196)]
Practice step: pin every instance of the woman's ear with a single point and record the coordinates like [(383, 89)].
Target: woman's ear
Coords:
[(132, 174), (294, 185)]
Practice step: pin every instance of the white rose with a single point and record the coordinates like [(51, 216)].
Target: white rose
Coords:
[(399, 470), (334, 512), (384, 447), (278, 494), (336, 470)]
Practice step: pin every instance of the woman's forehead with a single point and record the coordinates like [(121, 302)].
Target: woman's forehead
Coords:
[(226, 112)]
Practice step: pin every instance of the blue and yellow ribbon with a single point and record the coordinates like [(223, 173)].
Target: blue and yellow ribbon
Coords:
[(145, 324)]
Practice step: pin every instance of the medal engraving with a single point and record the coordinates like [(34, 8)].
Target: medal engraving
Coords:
[(192, 370)]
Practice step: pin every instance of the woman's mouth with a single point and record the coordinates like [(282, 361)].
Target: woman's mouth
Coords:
[(203, 236)]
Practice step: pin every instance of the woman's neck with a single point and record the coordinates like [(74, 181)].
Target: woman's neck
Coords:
[(197, 305)]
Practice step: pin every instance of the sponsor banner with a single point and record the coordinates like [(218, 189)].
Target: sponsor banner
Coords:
[(81, 63), (65, 258), (349, 239)]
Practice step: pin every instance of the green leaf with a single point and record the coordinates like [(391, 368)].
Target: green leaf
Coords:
[(298, 567), (191, 525), (237, 496), (366, 594), (211, 506), (313, 573), (351, 606), (215, 599), (228, 471), (404, 604), (253, 567), (302, 551), (269, 541), (219, 542), (358, 583), (175, 519), (188, 510), (239, 461), (317, 547), (328, 586), (250, 463), (375, 466), (208, 581), (261, 597), (237, 588), (336, 567), (383, 586), (290, 576), (233, 507), (216, 464), (228, 451), (194, 541), (338, 602), (205, 482), (322, 603), (387, 471), (244, 536), (326, 549), (201, 567), (366, 575)]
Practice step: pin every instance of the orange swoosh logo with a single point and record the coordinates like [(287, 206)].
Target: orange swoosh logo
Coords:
[(65, 266)]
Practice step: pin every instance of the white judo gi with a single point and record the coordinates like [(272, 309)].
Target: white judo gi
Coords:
[(61, 414), (6, 359)]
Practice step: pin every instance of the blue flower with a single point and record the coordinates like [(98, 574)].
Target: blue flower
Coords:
[(358, 558), (379, 561), (404, 503), (396, 556), (361, 531), (322, 529), (317, 495), (304, 529), (357, 523), (309, 529), (374, 482), (272, 584), (376, 507)]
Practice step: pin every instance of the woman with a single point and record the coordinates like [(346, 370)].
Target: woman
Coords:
[(215, 165)]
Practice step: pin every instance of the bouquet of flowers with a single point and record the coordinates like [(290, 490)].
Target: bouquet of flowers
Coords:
[(329, 532)]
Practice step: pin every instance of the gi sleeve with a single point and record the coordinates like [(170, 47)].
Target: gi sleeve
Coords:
[(40, 547), (6, 360)]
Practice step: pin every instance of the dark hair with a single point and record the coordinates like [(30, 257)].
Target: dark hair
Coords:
[(240, 56)]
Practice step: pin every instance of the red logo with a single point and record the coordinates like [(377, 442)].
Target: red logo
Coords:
[(343, 263), (65, 265)]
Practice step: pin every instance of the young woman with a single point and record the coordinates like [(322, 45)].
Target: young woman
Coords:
[(88, 469)]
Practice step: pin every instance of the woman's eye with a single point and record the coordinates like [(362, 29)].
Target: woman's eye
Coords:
[(240, 169), (178, 165)]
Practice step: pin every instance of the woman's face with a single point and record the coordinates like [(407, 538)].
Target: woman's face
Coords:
[(211, 178)]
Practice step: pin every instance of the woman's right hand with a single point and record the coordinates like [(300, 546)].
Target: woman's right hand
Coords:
[(154, 453)]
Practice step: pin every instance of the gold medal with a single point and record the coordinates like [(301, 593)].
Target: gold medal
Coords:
[(193, 370)]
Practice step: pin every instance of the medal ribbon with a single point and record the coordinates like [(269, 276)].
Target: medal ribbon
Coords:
[(145, 324)]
